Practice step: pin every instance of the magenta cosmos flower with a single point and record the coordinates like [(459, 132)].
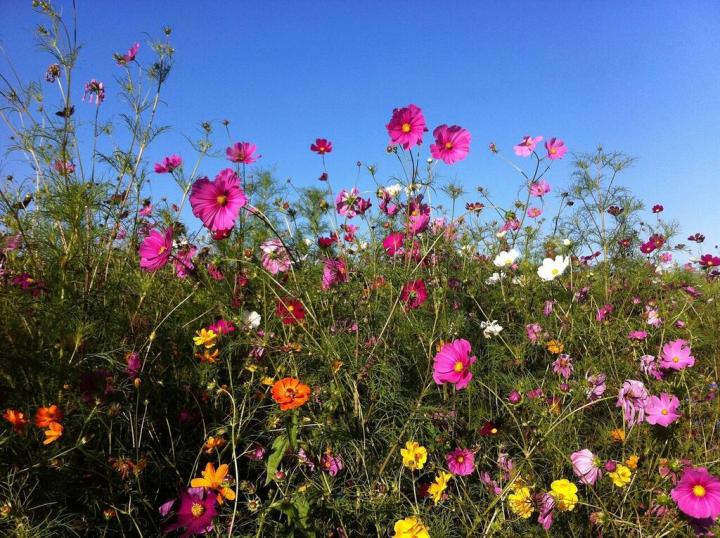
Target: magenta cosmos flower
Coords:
[(321, 146), (129, 56), (217, 203), (539, 188), (168, 164), (563, 365), (526, 146), (586, 466), (677, 355), (418, 216), (461, 462), (196, 511), (334, 272), (555, 148), (662, 410), (242, 152), (452, 364), (406, 126), (414, 294), (183, 261), (393, 243), (632, 398), (452, 144), (155, 250), (349, 203), (698, 493)]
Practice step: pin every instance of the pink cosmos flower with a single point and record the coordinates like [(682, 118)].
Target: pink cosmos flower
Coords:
[(596, 386), (393, 243), (533, 331), (534, 212), (168, 164), (217, 203), (242, 152), (275, 258), (586, 466), (214, 272), (452, 144), (64, 168), (708, 260), (539, 188), (255, 452), (407, 126), (349, 203), (418, 216), (604, 311), (546, 506), (132, 364), (155, 250), (452, 364), (563, 365), (331, 463), (183, 261), (632, 398), (662, 410), (195, 513), (461, 462), (129, 56), (650, 367), (94, 91), (637, 335), (555, 148), (334, 272), (321, 146), (677, 355), (222, 326), (526, 146), (146, 209), (414, 294), (697, 494)]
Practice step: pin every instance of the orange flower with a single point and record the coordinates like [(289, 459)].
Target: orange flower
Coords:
[(16, 418), (47, 415), (290, 393), (214, 443), (215, 480), (617, 435), (208, 356), (555, 346), (53, 433)]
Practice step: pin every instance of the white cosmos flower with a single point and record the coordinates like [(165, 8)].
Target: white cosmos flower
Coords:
[(394, 190), (251, 319), (490, 328), (551, 269), (494, 279), (506, 259), (567, 242)]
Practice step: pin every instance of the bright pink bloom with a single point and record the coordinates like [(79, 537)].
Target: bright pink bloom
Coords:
[(461, 462), (168, 164), (555, 148), (662, 410), (321, 146), (334, 272), (94, 91), (539, 188), (155, 250), (331, 463), (452, 144), (534, 212), (698, 493), (407, 126), (275, 258), (563, 365), (393, 243), (349, 203), (217, 203), (242, 152), (586, 466), (129, 56), (195, 513), (222, 326), (677, 355), (418, 216), (452, 364), (146, 209), (637, 335), (708, 260), (526, 146), (632, 398), (183, 261), (604, 311), (414, 294)]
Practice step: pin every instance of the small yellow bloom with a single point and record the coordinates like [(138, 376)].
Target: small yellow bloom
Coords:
[(205, 337), (410, 527), (267, 380), (618, 435), (632, 461), (555, 346), (437, 488), (414, 456), (565, 494), (215, 480), (621, 476), (520, 502)]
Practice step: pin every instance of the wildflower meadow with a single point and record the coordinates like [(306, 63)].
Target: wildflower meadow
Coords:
[(421, 359)]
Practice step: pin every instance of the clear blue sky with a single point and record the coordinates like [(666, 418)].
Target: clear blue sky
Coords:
[(642, 77)]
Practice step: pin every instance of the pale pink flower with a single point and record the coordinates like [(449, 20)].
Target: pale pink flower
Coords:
[(275, 258), (539, 188), (662, 410), (555, 148), (334, 272), (632, 398), (586, 466), (526, 146)]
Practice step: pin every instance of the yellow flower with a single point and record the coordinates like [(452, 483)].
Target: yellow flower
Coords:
[(215, 480), (520, 502), (555, 346), (267, 380), (565, 494), (621, 476), (410, 527), (205, 337), (437, 488), (632, 461), (617, 435), (414, 456)]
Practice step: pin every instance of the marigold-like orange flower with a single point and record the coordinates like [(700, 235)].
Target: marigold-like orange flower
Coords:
[(214, 443), (47, 415), (632, 461), (617, 435), (290, 393), (555, 346), (53, 433), (215, 480), (208, 356), (16, 418)]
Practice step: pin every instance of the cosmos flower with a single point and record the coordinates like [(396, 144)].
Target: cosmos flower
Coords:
[(407, 126), (586, 466), (242, 152), (321, 146), (195, 512), (556, 148), (677, 355), (461, 462), (662, 410), (452, 144), (697, 494), (526, 146), (168, 164), (414, 294), (414, 456), (217, 203), (452, 364), (551, 269), (155, 249)]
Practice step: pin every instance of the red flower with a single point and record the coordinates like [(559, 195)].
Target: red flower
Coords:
[(321, 146), (489, 429), (708, 260), (414, 294), (290, 311), (657, 208)]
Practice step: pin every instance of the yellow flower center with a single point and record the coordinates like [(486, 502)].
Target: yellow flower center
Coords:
[(406, 127), (555, 271), (197, 509), (448, 145), (290, 308), (553, 151), (221, 199), (459, 366), (493, 431), (664, 412), (162, 249), (676, 359), (460, 459), (699, 491)]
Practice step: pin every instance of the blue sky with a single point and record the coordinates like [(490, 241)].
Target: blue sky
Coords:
[(639, 76)]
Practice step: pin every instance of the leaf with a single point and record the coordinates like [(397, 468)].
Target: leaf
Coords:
[(279, 446)]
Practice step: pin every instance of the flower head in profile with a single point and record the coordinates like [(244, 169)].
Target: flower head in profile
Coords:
[(414, 294), (526, 146), (350, 203), (217, 203), (129, 56), (565, 494), (216, 480), (407, 126), (551, 269), (196, 509), (414, 456), (394, 243), (461, 462), (436, 490), (452, 144), (168, 164), (94, 91), (290, 393), (452, 364), (410, 527), (418, 216), (53, 433), (321, 146), (677, 355), (275, 257), (697, 494), (662, 410), (242, 152), (632, 398), (290, 311), (183, 261), (17, 419), (586, 466), (555, 148), (155, 249)]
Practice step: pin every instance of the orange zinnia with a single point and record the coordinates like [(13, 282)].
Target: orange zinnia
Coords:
[(215, 480), (53, 433), (16, 418), (290, 393), (47, 415)]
